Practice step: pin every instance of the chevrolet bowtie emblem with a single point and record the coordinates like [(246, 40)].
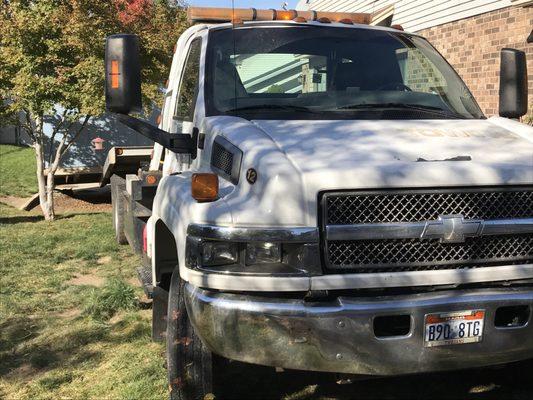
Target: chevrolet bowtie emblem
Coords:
[(452, 228)]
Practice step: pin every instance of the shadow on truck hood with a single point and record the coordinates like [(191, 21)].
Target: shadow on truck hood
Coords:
[(490, 154), (296, 160)]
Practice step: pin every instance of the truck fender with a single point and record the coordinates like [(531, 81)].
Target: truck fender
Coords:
[(173, 210)]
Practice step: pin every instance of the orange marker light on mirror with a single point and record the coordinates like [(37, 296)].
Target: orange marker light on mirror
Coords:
[(204, 187), (114, 75)]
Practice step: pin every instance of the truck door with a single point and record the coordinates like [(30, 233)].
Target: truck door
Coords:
[(183, 117)]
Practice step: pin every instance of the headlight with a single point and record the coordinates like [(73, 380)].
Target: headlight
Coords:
[(263, 253), (219, 253), (254, 258)]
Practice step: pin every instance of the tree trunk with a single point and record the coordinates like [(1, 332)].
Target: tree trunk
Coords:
[(46, 180), (50, 195), (41, 179)]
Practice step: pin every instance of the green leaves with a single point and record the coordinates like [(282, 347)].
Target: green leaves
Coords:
[(52, 51)]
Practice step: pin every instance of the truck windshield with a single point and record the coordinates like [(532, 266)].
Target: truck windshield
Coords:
[(310, 72)]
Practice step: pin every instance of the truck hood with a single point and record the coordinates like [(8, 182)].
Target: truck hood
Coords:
[(296, 160), (354, 154)]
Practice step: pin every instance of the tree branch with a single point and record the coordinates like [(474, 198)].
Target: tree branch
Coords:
[(59, 153), (75, 137), (54, 133), (28, 126)]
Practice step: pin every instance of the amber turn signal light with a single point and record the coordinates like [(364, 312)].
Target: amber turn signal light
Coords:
[(204, 187), (151, 179)]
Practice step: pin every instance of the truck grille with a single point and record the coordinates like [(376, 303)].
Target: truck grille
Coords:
[(349, 208), (352, 208)]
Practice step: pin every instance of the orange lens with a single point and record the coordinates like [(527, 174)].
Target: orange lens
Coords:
[(204, 187), (114, 75), (285, 15), (151, 179)]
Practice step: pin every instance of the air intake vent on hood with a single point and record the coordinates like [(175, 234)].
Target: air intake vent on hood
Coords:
[(226, 159)]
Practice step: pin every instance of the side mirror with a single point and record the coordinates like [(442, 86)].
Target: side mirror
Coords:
[(513, 83), (123, 93), (123, 74)]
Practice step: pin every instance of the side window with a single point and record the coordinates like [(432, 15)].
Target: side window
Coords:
[(189, 83)]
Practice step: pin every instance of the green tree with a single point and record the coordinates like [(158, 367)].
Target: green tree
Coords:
[(52, 66)]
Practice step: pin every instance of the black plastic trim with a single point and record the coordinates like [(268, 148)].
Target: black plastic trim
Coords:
[(237, 160)]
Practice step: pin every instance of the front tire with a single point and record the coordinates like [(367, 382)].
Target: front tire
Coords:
[(189, 362)]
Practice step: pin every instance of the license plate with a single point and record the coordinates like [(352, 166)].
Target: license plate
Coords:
[(453, 328)]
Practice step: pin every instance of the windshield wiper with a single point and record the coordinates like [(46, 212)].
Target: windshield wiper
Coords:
[(259, 107), (418, 107)]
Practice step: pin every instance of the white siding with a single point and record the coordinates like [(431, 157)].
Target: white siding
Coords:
[(414, 15)]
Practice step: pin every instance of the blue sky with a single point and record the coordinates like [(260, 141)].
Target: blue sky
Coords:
[(243, 3)]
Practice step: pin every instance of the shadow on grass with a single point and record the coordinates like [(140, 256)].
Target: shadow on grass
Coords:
[(17, 330), (23, 342), (20, 219), (39, 218), (16, 150), (39, 354), (510, 382), (93, 196)]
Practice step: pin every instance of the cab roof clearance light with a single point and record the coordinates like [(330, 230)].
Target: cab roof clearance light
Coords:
[(213, 14)]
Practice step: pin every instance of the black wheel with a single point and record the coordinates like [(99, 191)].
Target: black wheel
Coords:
[(118, 184), (189, 362)]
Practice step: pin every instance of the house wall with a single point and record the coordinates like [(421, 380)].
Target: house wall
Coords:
[(13, 135), (414, 15), (472, 45)]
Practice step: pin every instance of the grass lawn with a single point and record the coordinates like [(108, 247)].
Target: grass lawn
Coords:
[(60, 334), (17, 171), (72, 326)]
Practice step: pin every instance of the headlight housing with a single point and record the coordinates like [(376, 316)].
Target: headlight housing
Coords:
[(257, 258)]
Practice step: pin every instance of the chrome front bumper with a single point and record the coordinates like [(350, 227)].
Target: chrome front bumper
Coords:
[(338, 336)]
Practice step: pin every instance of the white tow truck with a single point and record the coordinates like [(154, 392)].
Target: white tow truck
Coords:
[(331, 198)]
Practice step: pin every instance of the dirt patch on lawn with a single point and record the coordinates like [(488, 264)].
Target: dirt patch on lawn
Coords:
[(65, 204), (16, 202), (104, 260), (90, 279), (70, 313), (87, 201)]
